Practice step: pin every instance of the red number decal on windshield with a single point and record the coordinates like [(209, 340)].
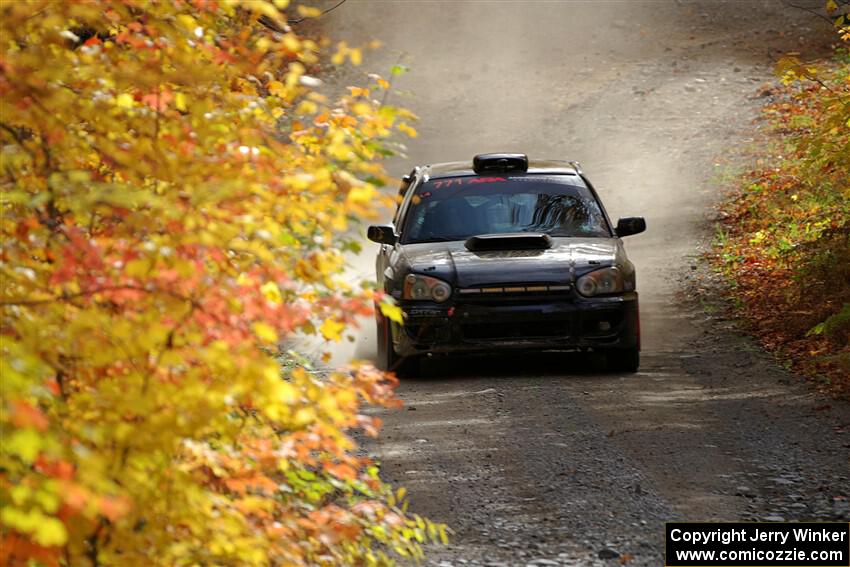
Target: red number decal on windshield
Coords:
[(446, 183)]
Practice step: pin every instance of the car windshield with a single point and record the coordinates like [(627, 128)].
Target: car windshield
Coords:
[(459, 207)]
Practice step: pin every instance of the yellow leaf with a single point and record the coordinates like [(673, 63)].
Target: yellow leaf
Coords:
[(309, 11), (187, 22), (291, 43), (277, 88), (363, 194), (180, 102), (402, 127), (341, 51), (51, 532), (124, 100), (138, 268), (47, 531), (304, 416), (356, 56), (307, 107), (392, 312), (361, 109), (77, 176), (265, 332), (332, 329), (24, 443), (271, 292), (285, 392)]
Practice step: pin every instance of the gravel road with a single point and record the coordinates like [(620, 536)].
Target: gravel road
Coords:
[(543, 459)]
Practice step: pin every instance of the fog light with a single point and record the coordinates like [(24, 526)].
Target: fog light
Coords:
[(604, 326)]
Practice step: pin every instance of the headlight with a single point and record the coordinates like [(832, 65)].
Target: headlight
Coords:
[(425, 288), (601, 282)]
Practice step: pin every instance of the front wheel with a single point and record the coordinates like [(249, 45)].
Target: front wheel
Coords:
[(623, 359), (404, 367)]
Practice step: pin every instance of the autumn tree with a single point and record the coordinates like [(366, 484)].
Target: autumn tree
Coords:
[(785, 238), (175, 194)]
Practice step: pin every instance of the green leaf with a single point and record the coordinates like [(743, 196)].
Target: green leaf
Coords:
[(817, 329)]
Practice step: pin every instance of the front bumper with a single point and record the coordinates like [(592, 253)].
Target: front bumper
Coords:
[(568, 323)]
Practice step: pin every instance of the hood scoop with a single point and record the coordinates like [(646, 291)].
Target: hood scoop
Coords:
[(509, 241)]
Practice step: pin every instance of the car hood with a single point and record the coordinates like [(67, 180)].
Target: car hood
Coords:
[(452, 262)]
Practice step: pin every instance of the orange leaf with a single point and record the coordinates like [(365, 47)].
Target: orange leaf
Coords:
[(159, 100), (113, 507), (26, 415), (342, 471)]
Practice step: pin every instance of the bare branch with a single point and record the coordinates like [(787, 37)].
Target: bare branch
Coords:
[(272, 25), (809, 10)]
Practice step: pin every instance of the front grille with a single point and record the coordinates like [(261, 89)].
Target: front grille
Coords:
[(514, 294), (511, 289)]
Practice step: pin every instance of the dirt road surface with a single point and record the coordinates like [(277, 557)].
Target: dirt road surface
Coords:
[(541, 459)]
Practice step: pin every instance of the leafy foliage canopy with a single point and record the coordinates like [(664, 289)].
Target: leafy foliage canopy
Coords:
[(175, 191)]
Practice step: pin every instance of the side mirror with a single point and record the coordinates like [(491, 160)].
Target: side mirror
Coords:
[(630, 225), (382, 234)]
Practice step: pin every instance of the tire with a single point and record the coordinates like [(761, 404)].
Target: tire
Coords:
[(408, 367), (384, 360), (623, 359), (404, 367)]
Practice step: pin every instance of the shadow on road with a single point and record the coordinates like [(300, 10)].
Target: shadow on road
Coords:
[(512, 366)]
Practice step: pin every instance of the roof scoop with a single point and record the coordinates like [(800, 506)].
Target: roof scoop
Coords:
[(509, 241), (483, 163)]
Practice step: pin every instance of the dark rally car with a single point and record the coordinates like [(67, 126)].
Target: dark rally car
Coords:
[(503, 253)]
